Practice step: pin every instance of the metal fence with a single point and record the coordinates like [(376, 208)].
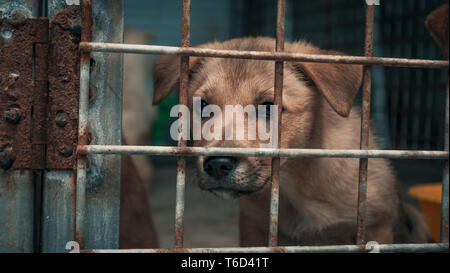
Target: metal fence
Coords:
[(185, 51)]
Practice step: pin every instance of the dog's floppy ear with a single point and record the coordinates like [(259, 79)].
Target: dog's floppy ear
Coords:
[(437, 25), (338, 83), (166, 75)]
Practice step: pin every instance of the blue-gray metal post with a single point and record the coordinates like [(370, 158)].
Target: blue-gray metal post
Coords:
[(105, 126)]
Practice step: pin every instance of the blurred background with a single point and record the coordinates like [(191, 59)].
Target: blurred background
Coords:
[(407, 104)]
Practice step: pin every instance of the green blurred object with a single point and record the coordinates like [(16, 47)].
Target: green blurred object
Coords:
[(160, 135)]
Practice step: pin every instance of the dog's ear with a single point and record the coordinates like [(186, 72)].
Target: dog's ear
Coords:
[(437, 25), (338, 83), (166, 75)]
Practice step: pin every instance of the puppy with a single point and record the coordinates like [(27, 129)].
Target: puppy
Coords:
[(318, 196)]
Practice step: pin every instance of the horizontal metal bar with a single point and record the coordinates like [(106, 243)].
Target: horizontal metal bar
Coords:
[(435, 247), (268, 152), (261, 55)]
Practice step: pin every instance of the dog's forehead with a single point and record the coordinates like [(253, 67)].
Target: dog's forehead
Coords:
[(230, 79), (231, 69), (234, 77), (237, 70)]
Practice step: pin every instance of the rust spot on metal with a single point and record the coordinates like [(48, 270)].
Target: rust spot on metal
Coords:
[(185, 151), (277, 249), (85, 138), (20, 248), (87, 21)]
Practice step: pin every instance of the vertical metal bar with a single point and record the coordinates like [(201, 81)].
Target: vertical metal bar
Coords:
[(86, 35), (445, 192), (365, 126), (181, 160), (278, 100)]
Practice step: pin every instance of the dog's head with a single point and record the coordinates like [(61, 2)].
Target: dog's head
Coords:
[(309, 89)]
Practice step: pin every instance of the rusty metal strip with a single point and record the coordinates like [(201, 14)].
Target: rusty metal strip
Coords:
[(278, 100), (365, 127), (64, 85), (263, 55), (22, 85), (181, 160)]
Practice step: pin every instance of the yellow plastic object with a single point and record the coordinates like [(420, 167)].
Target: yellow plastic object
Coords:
[(429, 196)]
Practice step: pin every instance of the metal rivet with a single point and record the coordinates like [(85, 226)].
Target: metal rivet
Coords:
[(62, 73), (65, 151), (6, 35), (76, 29), (60, 119), (17, 18), (12, 115), (13, 76), (7, 156)]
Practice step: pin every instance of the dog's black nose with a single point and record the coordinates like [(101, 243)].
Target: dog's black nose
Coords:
[(219, 167)]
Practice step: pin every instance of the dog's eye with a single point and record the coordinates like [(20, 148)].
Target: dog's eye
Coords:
[(267, 105)]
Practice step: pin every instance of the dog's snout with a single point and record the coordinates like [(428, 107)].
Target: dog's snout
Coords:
[(219, 167)]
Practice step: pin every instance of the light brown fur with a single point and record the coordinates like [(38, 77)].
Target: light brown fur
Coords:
[(437, 25), (318, 197)]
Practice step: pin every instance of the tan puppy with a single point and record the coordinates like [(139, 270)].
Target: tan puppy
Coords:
[(318, 197)]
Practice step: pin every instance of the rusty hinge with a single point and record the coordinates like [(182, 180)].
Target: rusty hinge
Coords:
[(39, 89)]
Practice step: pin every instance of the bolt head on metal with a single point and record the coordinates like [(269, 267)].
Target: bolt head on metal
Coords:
[(60, 119), (17, 18), (12, 115), (14, 75), (65, 151), (7, 157)]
